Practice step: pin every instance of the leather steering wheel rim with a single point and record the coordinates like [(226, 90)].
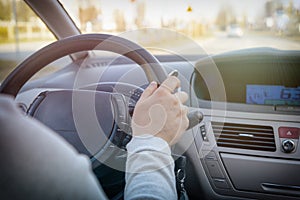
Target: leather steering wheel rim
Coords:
[(84, 42)]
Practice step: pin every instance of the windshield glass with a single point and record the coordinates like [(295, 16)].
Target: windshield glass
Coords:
[(216, 25), (21, 34)]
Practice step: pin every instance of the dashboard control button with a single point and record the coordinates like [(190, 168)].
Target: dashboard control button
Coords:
[(288, 146), (214, 169), (203, 133), (289, 132), (210, 156), (221, 183)]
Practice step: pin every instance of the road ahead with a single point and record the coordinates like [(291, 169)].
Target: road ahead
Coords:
[(217, 44), (221, 43)]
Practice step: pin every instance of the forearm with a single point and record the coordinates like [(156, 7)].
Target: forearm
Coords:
[(149, 170)]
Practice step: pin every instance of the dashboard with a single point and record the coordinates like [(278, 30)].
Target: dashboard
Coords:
[(247, 146)]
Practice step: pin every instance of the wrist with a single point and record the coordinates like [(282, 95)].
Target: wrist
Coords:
[(147, 142)]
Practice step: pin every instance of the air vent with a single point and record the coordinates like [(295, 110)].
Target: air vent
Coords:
[(244, 136)]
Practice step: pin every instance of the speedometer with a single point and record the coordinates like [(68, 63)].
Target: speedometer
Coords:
[(272, 95)]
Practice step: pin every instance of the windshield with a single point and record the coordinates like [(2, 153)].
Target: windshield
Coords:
[(216, 25)]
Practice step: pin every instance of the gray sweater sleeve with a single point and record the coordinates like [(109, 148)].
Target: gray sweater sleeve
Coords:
[(36, 163), (149, 169)]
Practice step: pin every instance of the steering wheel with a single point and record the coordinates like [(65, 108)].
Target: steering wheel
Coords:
[(85, 42)]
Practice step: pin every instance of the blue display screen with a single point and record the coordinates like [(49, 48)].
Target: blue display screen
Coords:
[(272, 95)]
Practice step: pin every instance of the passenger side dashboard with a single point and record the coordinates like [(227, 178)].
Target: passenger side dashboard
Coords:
[(248, 151), (244, 172)]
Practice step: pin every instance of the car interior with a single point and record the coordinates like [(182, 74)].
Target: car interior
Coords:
[(244, 105)]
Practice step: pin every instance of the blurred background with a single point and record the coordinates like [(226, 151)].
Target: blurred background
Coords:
[(216, 25)]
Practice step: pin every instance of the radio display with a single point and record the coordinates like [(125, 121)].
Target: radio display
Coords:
[(272, 95)]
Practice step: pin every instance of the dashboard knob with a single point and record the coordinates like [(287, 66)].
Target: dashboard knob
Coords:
[(288, 146)]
